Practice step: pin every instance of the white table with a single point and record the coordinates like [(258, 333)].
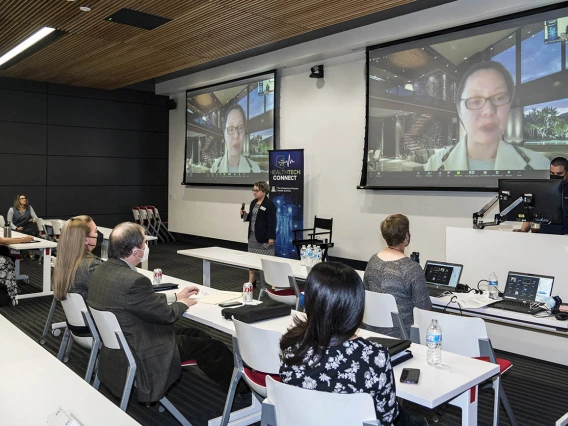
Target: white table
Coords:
[(29, 371), (45, 246), (454, 379), (240, 259)]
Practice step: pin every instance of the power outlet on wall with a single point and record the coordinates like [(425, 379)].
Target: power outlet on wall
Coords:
[(172, 196)]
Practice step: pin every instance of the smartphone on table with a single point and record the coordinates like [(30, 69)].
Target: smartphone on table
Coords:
[(410, 375), (230, 304)]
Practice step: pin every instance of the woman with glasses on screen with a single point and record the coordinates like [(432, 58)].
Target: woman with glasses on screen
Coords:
[(483, 103), (75, 262), (234, 129)]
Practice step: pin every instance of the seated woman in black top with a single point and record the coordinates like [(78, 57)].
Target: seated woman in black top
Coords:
[(324, 353), (22, 216)]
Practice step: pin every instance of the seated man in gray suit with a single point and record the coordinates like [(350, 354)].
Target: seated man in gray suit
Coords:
[(146, 320)]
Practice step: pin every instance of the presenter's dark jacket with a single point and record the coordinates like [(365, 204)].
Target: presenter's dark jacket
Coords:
[(146, 320), (265, 225)]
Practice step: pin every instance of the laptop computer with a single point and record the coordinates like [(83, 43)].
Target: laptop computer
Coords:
[(441, 277), (523, 292)]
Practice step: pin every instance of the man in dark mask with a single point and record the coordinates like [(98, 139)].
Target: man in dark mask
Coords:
[(558, 170)]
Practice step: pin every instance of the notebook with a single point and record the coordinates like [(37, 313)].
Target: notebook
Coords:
[(441, 276), (523, 292)]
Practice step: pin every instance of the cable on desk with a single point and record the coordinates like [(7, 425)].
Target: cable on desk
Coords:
[(455, 300)]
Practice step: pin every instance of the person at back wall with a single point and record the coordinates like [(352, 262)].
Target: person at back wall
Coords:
[(22, 216)]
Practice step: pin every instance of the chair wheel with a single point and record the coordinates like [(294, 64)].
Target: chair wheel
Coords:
[(56, 332), (66, 359), (42, 341), (161, 408), (14, 302)]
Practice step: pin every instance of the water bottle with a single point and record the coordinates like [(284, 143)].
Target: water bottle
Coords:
[(434, 343), (314, 255), (493, 286), (318, 254), (303, 256), (8, 230), (309, 255)]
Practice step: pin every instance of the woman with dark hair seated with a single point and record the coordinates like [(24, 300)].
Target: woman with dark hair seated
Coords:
[(390, 271), (323, 352)]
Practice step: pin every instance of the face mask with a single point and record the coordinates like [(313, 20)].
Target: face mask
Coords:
[(556, 177), (146, 253)]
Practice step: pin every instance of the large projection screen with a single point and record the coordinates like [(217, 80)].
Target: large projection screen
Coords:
[(230, 127), (460, 109)]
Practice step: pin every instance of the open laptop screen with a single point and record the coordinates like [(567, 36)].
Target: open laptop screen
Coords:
[(527, 287), (442, 274)]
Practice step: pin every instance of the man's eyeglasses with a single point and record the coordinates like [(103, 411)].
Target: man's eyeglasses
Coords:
[(256, 190), (496, 100), (231, 130)]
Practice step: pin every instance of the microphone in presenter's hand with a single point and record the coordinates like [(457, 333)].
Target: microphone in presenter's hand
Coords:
[(242, 209)]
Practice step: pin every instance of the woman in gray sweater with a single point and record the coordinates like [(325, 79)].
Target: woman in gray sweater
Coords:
[(391, 271)]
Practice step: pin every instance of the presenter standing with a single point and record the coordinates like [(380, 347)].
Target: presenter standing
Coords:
[(262, 224), (483, 102)]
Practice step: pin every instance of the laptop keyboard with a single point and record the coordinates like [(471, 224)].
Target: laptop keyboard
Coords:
[(515, 306)]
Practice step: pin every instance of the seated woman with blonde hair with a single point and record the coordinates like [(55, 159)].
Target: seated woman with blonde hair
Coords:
[(75, 262)]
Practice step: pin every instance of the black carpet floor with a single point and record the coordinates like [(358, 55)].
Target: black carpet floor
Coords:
[(537, 391)]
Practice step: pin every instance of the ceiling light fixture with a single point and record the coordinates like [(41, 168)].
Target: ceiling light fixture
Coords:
[(26, 44), (85, 8)]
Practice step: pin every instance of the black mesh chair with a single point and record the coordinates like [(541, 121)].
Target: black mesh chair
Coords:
[(315, 236)]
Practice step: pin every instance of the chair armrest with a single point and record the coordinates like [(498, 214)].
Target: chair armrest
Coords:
[(415, 334), (319, 233), (486, 349)]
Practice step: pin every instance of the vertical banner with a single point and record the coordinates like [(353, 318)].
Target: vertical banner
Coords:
[(286, 179)]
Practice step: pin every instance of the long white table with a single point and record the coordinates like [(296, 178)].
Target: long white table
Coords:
[(239, 259), (454, 379), (45, 247), (35, 384)]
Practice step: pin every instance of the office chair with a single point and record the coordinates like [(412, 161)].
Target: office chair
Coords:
[(315, 236), (259, 350), (295, 406), (381, 311), (81, 329), (113, 338), (465, 336), (279, 275)]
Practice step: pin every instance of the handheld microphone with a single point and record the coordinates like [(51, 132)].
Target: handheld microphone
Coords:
[(242, 208)]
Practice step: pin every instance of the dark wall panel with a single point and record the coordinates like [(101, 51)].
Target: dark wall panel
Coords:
[(98, 171), (82, 151), (84, 112), (82, 141), (133, 96), (23, 138), (22, 170), (24, 107), (73, 200), (35, 194)]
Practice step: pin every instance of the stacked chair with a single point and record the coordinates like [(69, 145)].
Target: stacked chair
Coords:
[(149, 218)]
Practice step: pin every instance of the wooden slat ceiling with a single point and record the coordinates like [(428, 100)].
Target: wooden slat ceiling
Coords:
[(107, 55)]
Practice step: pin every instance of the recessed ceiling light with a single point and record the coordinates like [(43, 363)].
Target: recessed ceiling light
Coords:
[(30, 41), (85, 8)]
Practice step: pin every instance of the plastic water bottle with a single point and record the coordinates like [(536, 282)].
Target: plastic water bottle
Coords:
[(315, 255), (309, 255), (303, 256), (493, 286), (434, 343)]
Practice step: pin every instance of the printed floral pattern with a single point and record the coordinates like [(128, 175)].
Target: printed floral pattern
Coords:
[(8, 276), (355, 366)]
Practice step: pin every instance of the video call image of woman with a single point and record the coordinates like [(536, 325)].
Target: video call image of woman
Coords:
[(484, 99), (234, 134)]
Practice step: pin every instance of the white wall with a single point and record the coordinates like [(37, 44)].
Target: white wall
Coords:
[(327, 118)]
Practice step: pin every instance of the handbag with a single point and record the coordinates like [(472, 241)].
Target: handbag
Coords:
[(253, 313)]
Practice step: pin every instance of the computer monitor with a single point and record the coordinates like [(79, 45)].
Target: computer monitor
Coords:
[(442, 275), (546, 203)]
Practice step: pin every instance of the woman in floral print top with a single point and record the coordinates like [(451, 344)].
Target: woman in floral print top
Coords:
[(323, 352)]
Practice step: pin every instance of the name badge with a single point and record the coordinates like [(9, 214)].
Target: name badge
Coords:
[(262, 208)]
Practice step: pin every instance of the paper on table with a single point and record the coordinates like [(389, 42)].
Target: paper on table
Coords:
[(218, 297), (468, 300)]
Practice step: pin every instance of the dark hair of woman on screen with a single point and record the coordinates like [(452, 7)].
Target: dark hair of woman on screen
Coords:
[(319, 351)]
